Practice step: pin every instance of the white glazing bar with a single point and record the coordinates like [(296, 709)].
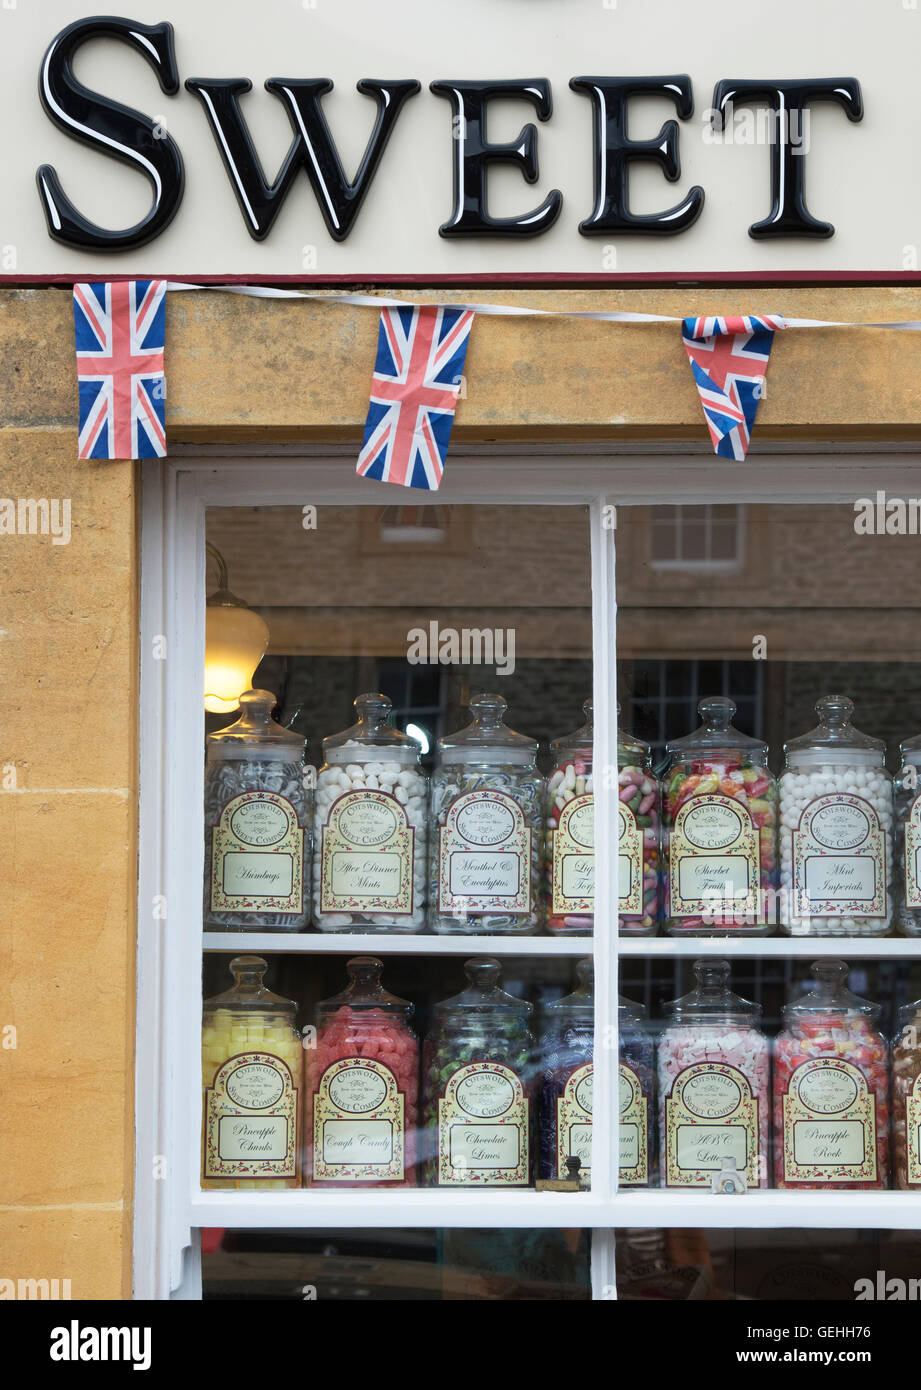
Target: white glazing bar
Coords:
[(775, 947)]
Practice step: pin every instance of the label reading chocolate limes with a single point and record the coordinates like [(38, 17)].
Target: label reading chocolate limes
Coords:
[(574, 857), (913, 855), (714, 860), (484, 855), (574, 1122), (633, 1129), (251, 1119), (257, 855), (358, 1126), (829, 1124), (483, 1125), (367, 856), (710, 1115), (629, 863), (913, 1133), (839, 859)]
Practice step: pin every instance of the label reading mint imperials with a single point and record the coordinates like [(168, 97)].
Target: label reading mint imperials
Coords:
[(367, 856), (839, 859), (484, 856), (257, 856), (483, 1128), (714, 858)]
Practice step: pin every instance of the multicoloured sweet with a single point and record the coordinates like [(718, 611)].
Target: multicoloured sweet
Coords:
[(906, 1099), (638, 792)]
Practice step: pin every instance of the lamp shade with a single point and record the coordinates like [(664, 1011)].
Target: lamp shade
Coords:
[(235, 642)]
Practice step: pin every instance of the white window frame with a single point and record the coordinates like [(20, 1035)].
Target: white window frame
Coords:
[(169, 1204)]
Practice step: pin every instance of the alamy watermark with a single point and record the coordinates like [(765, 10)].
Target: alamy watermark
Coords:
[(36, 516), (887, 516), (467, 646)]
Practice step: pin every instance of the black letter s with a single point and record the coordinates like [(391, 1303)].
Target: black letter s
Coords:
[(112, 129)]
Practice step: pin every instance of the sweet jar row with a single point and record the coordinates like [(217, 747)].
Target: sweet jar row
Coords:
[(492, 1102)]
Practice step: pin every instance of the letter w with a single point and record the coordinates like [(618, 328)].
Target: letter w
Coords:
[(313, 147)]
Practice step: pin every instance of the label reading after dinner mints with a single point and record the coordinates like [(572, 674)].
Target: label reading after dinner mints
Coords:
[(483, 1125), (839, 865), (257, 856), (358, 1128), (484, 855), (714, 858), (367, 856), (251, 1119)]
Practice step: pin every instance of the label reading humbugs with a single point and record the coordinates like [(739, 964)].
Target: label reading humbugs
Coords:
[(634, 1131), (574, 1122), (710, 1115), (629, 863), (483, 1128), (358, 1129), (829, 1124), (714, 858), (839, 866), (251, 1119), (367, 856), (484, 857), (913, 855), (574, 857), (913, 1133), (257, 855)]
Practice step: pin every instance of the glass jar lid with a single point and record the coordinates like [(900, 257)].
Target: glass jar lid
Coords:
[(255, 736), (372, 737), (829, 995), (630, 1013), (483, 998), (909, 1016), (487, 739), (364, 995), (631, 751), (834, 739), (910, 750), (712, 1001), (716, 735), (579, 742), (248, 991), (579, 1006)]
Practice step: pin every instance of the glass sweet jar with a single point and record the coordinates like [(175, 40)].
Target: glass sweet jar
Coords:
[(907, 835), (714, 1084), (487, 827), (719, 815), (371, 827), (831, 1095), (836, 829), (258, 811), (906, 1098), (569, 847), (565, 1094), (478, 1086), (637, 1095), (362, 1086), (251, 1064), (638, 836)]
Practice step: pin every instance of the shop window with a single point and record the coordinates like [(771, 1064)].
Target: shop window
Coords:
[(707, 538)]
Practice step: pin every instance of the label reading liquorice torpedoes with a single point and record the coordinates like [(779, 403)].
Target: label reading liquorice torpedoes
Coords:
[(829, 1124), (367, 856), (714, 858), (629, 863), (484, 857), (483, 1128), (710, 1115), (574, 1122), (251, 1119), (839, 859), (257, 856), (358, 1124), (574, 857), (634, 1130)]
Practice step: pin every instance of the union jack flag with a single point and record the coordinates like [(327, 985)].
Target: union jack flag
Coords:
[(729, 359), (414, 391), (119, 331)]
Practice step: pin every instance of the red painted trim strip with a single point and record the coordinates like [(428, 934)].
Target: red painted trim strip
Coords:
[(652, 278)]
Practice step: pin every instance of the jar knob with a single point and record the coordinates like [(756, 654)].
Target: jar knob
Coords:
[(488, 710), (588, 709), (247, 972), (712, 974), (373, 709), (365, 970), (717, 711), (585, 971), (830, 972), (834, 710), (483, 972)]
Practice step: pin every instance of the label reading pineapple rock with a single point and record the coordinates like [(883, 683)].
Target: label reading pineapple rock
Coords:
[(629, 863), (839, 859), (251, 1119), (710, 1115), (358, 1127), (913, 1133), (483, 1124), (367, 856), (484, 858), (574, 1122), (257, 855), (714, 858), (574, 857), (829, 1124), (913, 855), (634, 1131)]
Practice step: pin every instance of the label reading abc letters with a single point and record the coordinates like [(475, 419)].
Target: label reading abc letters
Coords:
[(714, 858), (829, 1125), (257, 856), (367, 856), (358, 1126), (710, 1115), (251, 1119), (484, 857), (483, 1122), (839, 859), (634, 1130), (573, 862), (574, 1122)]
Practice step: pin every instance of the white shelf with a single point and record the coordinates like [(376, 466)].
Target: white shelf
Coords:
[(394, 944), (847, 947), (659, 1208)]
